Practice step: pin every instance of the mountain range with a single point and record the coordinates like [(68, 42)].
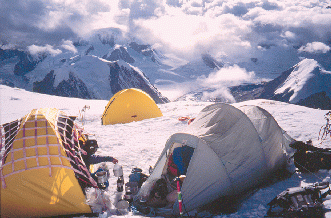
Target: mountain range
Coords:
[(98, 68), (307, 84), (105, 64)]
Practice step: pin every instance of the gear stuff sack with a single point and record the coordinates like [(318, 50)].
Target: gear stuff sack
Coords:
[(308, 158), (300, 202), (137, 176)]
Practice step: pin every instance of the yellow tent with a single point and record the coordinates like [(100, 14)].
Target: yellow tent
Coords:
[(130, 105), (41, 174)]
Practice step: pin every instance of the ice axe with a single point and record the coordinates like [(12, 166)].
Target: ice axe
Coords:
[(179, 193)]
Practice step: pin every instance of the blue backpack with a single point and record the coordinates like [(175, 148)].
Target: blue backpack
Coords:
[(137, 176)]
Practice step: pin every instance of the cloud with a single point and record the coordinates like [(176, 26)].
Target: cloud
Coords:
[(235, 31), (232, 31), (288, 35), (68, 45), (47, 49), (221, 80), (215, 85), (189, 35), (50, 22), (273, 33), (230, 75), (21, 21), (314, 47), (221, 94)]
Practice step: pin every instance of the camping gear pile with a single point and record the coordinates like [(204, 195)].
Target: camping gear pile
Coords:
[(99, 199), (309, 158), (300, 201), (136, 179), (305, 201)]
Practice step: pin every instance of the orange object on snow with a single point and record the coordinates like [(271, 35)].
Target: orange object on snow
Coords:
[(190, 121), (183, 118)]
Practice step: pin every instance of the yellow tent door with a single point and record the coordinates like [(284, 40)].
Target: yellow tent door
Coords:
[(130, 105)]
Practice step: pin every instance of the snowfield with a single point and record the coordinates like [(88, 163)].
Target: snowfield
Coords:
[(139, 144)]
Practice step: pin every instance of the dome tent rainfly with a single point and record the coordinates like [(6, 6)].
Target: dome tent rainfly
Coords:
[(129, 105), (235, 149), (41, 174)]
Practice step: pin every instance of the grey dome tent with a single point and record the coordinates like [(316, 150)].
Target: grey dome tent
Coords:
[(235, 149)]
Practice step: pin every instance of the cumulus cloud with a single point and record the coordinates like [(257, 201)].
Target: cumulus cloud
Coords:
[(221, 94), (222, 79), (215, 85), (51, 22), (21, 23), (190, 35), (315, 47), (233, 31), (47, 49), (68, 45), (230, 75)]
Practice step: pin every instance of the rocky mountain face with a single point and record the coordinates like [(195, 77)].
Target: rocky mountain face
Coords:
[(122, 77), (72, 87), (24, 62)]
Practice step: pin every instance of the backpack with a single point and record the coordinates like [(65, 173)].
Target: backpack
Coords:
[(172, 167), (309, 158), (137, 176), (299, 202), (160, 189), (182, 157)]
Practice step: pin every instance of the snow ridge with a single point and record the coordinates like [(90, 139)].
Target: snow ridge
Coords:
[(307, 78)]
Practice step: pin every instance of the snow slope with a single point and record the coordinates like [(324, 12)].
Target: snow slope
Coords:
[(139, 144), (307, 78)]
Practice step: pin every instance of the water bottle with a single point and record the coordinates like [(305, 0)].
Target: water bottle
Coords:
[(102, 179), (120, 183), (118, 170)]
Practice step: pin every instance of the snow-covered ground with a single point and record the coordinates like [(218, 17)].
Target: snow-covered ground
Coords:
[(139, 144)]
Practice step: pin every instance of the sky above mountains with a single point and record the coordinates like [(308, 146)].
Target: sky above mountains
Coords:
[(228, 30)]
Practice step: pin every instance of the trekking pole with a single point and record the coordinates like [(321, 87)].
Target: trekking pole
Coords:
[(179, 197)]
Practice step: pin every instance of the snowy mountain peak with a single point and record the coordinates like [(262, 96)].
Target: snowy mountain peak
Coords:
[(306, 83), (306, 78), (119, 53)]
